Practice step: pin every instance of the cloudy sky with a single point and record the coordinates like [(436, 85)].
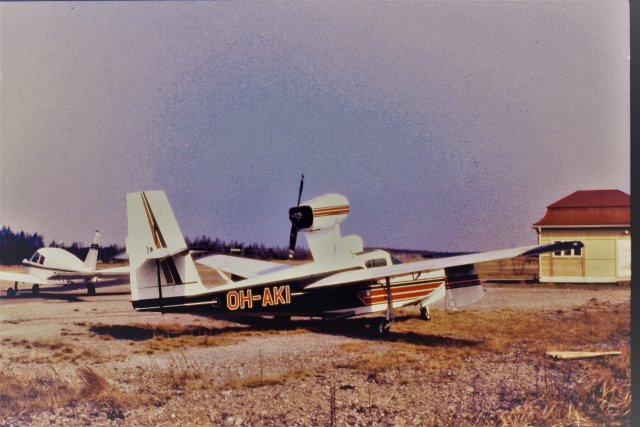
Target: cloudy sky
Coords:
[(448, 125)]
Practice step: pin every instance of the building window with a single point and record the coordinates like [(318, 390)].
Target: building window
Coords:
[(575, 252)]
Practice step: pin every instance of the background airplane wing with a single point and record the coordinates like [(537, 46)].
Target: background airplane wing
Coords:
[(103, 273), (243, 267), (20, 277), (436, 264)]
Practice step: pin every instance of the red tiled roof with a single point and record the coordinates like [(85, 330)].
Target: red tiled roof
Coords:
[(589, 208), (593, 199)]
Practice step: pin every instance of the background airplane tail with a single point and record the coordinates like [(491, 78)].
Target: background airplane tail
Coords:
[(92, 256), (162, 272)]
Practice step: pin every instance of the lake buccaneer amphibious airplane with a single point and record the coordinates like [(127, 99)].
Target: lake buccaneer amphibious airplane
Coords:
[(343, 280), (55, 266)]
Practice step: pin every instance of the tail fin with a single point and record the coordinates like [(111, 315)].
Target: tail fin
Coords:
[(162, 270), (92, 256)]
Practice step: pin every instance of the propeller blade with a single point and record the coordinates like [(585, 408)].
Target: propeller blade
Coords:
[(300, 191)]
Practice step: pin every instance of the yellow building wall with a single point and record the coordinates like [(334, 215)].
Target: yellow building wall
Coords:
[(597, 263)]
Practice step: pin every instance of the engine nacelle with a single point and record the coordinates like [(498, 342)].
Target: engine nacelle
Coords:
[(320, 213), (319, 219)]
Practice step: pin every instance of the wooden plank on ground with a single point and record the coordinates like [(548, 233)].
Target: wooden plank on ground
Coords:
[(580, 354)]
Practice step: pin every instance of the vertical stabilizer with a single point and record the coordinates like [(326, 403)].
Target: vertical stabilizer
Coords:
[(162, 271), (92, 256)]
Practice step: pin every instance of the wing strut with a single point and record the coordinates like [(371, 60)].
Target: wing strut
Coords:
[(389, 317), (159, 284)]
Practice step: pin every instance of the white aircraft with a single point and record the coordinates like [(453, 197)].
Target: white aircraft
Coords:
[(343, 280), (55, 266)]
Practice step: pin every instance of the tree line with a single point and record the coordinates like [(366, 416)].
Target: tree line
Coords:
[(16, 246), (254, 250)]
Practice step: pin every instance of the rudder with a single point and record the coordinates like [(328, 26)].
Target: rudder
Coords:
[(162, 270), (92, 256)]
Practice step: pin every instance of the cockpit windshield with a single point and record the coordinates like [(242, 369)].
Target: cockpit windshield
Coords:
[(395, 261), (34, 257)]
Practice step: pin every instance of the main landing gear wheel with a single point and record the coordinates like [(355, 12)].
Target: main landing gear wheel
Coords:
[(35, 290), (91, 289), (11, 292), (389, 317), (384, 327), (424, 313)]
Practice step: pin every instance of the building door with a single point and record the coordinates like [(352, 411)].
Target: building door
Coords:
[(624, 259)]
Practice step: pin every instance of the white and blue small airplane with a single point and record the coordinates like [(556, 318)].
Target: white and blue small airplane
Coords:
[(343, 280), (56, 266)]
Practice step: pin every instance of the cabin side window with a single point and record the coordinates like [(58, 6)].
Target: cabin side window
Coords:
[(378, 262)]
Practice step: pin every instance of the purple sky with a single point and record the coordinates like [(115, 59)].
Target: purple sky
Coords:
[(448, 125)]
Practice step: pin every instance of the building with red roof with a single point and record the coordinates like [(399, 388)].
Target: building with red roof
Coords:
[(601, 219)]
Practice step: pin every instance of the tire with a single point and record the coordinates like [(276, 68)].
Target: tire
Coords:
[(91, 289), (11, 292), (424, 313), (384, 327), (35, 290)]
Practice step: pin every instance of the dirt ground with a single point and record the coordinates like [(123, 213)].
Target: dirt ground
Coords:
[(154, 369)]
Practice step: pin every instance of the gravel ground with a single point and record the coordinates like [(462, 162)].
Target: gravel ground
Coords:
[(316, 378)]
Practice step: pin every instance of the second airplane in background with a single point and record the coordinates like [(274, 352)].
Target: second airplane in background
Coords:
[(56, 266)]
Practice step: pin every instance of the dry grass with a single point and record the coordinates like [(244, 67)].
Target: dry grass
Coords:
[(530, 331), (21, 392), (573, 393), (45, 351), (583, 392), (151, 339), (255, 381), (604, 399)]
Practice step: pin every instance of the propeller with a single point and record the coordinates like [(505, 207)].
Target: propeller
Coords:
[(295, 216)]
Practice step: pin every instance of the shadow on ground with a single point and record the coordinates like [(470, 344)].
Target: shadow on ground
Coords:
[(361, 328), (146, 332)]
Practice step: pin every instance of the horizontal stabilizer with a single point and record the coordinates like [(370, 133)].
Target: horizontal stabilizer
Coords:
[(163, 253), (243, 267)]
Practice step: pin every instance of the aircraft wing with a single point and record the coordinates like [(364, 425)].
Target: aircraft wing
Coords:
[(377, 273), (243, 267), (20, 277), (103, 273)]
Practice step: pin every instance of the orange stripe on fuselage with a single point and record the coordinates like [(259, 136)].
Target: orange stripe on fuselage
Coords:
[(396, 298), (398, 293)]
